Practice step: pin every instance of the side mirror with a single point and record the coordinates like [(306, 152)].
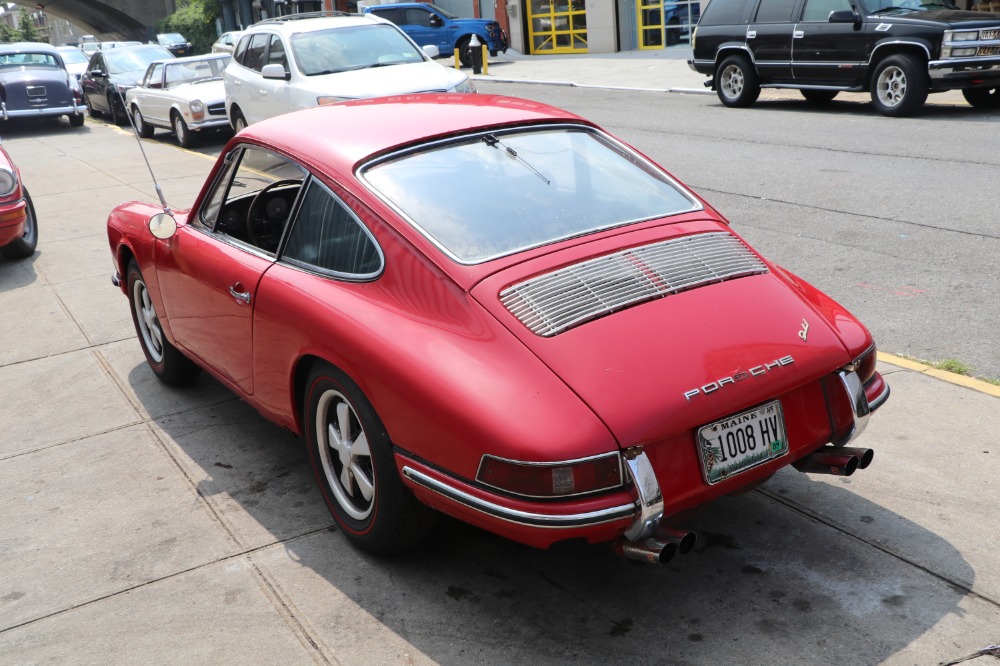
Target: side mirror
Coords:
[(98, 73), (436, 21), (431, 50), (163, 226), (275, 71), (844, 16)]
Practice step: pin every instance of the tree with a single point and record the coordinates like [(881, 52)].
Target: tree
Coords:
[(195, 19), (7, 34), (26, 27)]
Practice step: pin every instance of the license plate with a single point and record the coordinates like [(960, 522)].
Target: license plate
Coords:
[(742, 441)]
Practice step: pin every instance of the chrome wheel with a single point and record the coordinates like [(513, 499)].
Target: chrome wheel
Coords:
[(147, 321), (891, 86), (731, 81), (345, 455), (181, 130)]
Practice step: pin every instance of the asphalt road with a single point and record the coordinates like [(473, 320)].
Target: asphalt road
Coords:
[(897, 218)]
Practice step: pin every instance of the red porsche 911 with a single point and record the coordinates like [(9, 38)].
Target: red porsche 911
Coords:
[(591, 354)]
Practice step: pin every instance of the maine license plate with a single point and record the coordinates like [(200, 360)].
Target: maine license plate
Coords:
[(741, 441)]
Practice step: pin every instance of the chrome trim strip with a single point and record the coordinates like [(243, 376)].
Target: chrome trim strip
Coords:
[(41, 111), (859, 404), (879, 399), (650, 503), (527, 518)]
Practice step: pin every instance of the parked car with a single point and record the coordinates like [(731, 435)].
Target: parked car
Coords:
[(677, 18), (226, 42), (896, 51), (184, 95), (74, 59), (428, 24), (111, 73), (34, 83), (174, 42), (18, 226), (296, 62), (588, 357)]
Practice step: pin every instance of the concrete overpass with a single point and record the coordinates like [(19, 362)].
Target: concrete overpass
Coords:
[(109, 19)]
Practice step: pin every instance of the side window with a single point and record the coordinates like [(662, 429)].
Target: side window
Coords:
[(253, 198), (774, 11), (420, 17), (154, 79), (326, 235), (722, 12), (276, 53), (820, 10), (254, 58), (241, 49), (397, 16)]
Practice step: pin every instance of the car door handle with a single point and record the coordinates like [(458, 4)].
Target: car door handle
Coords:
[(751, 34), (798, 34), (236, 291), (263, 93)]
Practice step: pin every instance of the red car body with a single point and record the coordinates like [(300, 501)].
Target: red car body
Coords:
[(18, 232), (591, 432)]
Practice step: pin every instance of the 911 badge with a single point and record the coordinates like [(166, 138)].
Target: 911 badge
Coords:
[(804, 331)]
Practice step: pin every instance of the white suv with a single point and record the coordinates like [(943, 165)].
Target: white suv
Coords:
[(299, 61)]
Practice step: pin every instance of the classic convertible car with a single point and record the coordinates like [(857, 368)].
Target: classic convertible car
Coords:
[(185, 95), (34, 83), (18, 226), (589, 357)]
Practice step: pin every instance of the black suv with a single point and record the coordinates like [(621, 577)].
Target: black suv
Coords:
[(898, 50)]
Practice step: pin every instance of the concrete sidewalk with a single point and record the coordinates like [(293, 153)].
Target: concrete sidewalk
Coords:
[(148, 525)]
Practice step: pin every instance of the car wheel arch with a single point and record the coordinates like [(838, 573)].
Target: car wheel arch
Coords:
[(303, 367), (729, 50), (888, 49)]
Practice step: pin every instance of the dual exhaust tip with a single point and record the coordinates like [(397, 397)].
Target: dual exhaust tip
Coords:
[(836, 460), (660, 548)]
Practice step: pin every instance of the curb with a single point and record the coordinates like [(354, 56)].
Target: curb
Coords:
[(572, 84), (944, 375)]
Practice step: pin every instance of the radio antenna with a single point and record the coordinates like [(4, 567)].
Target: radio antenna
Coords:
[(135, 131)]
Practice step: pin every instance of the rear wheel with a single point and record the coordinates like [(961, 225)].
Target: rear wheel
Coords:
[(899, 85), (982, 98), (352, 459), (24, 247), (166, 361), (145, 129), (819, 96), (75, 119), (736, 82), (91, 111)]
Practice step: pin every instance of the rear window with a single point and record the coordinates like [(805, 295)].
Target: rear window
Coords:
[(722, 12), (494, 194)]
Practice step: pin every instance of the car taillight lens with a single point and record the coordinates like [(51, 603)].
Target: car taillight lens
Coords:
[(558, 479), (865, 365)]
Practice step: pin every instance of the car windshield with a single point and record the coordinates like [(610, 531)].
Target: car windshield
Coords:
[(171, 38), (358, 47), (28, 60), (73, 56), (443, 12), (893, 6), (495, 194), (133, 60), (193, 71)]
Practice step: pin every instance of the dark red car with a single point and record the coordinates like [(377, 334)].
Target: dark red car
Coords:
[(18, 227), (589, 355)]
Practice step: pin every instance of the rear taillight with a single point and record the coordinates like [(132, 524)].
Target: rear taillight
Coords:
[(552, 479), (864, 365)]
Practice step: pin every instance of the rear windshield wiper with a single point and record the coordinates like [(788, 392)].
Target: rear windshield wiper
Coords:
[(493, 142)]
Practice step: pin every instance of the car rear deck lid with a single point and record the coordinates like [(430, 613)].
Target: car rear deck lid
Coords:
[(551, 303)]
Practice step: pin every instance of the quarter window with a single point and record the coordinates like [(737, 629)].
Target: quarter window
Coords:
[(820, 10), (326, 235)]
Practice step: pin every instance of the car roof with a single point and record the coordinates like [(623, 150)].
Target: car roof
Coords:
[(292, 24), (197, 58), (340, 136), (27, 47)]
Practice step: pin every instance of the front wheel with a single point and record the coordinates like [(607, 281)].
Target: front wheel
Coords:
[(237, 120), (352, 458), (118, 115), (982, 98), (899, 85), (166, 361), (145, 129), (736, 82), (465, 51), (184, 135), (24, 247)]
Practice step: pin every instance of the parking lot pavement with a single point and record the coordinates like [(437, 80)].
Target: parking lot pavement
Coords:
[(145, 524)]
